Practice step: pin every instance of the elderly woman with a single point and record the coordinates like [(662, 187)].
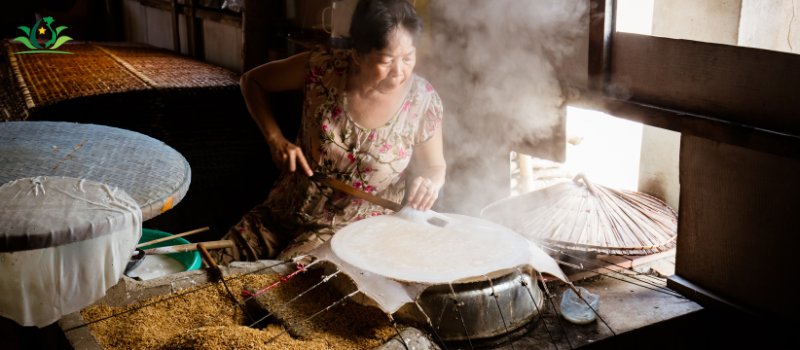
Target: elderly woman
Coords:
[(368, 120)]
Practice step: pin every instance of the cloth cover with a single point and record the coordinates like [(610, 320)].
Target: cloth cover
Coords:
[(63, 243)]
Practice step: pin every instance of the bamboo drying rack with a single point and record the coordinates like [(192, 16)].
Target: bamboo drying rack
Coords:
[(108, 68)]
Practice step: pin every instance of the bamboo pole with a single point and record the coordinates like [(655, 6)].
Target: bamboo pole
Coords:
[(163, 239)]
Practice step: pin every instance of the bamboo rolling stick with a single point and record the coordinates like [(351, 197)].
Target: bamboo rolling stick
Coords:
[(189, 247), (343, 187), (162, 239)]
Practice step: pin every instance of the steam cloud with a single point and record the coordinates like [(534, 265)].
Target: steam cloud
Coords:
[(497, 66)]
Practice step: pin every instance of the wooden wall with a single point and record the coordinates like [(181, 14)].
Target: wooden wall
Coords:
[(736, 109), (737, 230), (150, 22), (740, 85)]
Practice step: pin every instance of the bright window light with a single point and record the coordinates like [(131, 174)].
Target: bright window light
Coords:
[(605, 148), (635, 16)]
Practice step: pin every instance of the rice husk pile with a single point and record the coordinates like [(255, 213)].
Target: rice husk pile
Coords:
[(206, 318)]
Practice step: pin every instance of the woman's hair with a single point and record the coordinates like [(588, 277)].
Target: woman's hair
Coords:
[(374, 20)]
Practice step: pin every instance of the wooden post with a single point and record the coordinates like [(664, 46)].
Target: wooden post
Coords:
[(602, 21), (194, 32), (258, 18), (176, 32)]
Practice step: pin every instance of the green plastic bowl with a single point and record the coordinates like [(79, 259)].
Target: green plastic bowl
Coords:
[(190, 260)]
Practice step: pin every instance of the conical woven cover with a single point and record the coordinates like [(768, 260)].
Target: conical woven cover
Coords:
[(579, 215)]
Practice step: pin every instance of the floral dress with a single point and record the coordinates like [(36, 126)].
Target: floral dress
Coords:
[(303, 213)]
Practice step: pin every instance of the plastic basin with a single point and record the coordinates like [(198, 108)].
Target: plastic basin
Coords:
[(190, 260)]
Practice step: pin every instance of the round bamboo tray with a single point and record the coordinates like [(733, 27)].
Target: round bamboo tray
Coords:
[(156, 176)]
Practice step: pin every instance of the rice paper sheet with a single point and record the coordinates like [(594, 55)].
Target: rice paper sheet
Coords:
[(393, 258)]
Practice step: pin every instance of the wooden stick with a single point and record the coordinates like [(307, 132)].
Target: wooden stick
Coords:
[(216, 273), (189, 247), (162, 239), (343, 187)]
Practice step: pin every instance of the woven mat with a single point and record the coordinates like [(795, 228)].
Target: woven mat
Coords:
[(12, 104), (152, 173), (161, 68), (95, 69)]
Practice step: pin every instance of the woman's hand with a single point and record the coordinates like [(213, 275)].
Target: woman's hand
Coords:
[(428, 168), (256, 84), (287, 155), (422, 193)]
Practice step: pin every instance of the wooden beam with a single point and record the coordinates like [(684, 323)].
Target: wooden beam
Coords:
[(258, 18), (191, 35), (176, 32), (600, 38), (214, 15), (712, 128), (632, 261), (703, 296), (205, 13), (735, 225), (754, 88), (159, 4)]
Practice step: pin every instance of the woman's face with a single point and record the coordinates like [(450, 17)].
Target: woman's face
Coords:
[(389, 68)]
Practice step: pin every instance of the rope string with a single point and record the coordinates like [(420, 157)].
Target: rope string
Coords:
[(176, 295), (248, 294)]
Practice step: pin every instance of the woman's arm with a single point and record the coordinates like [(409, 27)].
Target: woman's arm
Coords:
[(428, 169), (256, 84)]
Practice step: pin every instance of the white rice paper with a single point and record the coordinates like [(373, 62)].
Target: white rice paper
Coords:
[(393, 258)]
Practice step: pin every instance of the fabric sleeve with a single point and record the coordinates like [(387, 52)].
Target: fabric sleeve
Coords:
[(431, 117), (326, 68), (316, 62)]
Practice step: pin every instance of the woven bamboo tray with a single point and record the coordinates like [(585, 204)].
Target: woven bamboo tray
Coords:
[(96, 69), (12, 104), (46, 79), (156, 176), (163, 69)]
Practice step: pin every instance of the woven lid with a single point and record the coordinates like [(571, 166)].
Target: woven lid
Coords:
[(582, 216), (42, 212), (154, 174)]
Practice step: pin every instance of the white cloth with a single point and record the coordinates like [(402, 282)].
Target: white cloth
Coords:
[(63, 243)]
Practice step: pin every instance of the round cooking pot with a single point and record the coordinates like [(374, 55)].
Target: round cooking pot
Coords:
[(478, 309), (492, 295)]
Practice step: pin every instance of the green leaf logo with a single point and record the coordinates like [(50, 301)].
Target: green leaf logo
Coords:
[(42, 26), (60, 42), (25, 41), (25, 29)]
